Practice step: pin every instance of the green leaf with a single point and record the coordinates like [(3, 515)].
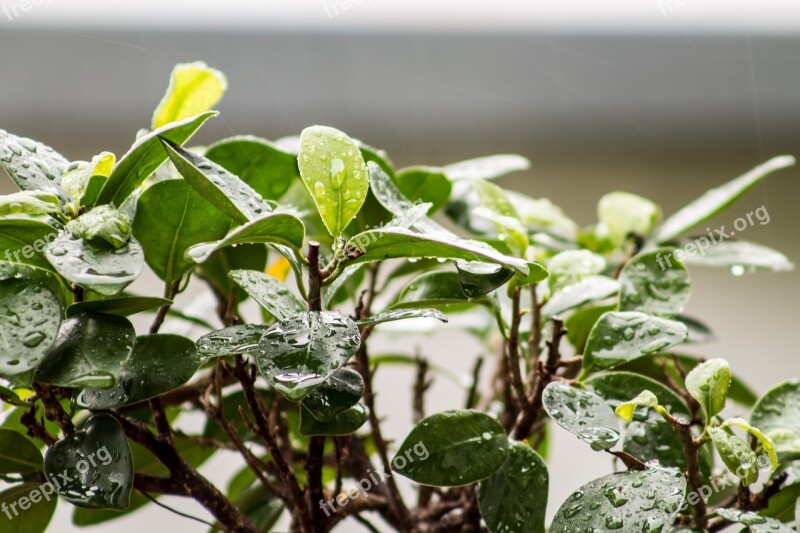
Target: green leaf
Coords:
[(82, 180), (645, 398), (777, 414), (243, 257), (766, 442), (243, 338), (393, 243), (31, 203), (29, 319), (736, 454), (621, 214), (699, 332), (618, 337), (335, 395), (637, 500), (649, 286), (452, 448), (23, 241), (18, 455), (514, 498), (98, 461), (738, 254), (32, 165), (583, 413), (580, 323), (30, 508), (261, 507), (433, 289), (269, 293), (497, 208), (193, 89), (144, 157), (96, 267), (346, 423), (46, 278), (172, 217), (572, 266), (87, 352), (121, 306), (479, 279), (335, 174), (486, 168), (402, 314), (708, 383), (157, 364), (424, 184), (277, 229), (588, 290), (783, 506), (299, 353), (755, 522), (102, 225), (715, 200)]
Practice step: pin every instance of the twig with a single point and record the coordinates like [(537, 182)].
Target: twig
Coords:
[(53, 409), (421, 385), (171, 292), (472, 395), (512, 353), (534, 338)]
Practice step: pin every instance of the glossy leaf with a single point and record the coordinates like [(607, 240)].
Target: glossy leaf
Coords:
[(649, 286), (514, 498), (637, 500), (452, 448), (171, 218), (755, 522), (580, 323), (345, 423), (30, 203), (102, 225), (715, 200), (736, 454), (582, 413), (32, 165), (157, 364), (424, 184), (572, 266), (243, 338), (486, 168), (18, 455), (23, 241), (121, 306), (29, 319), (335, 395), (299, 353), (765, 442), (98, 462), (589, 290), (335, 174), (243, 257), (739, 254), (34, 516), (224, 190), (777, 414), (622, 214), (96, 267), (269, 293), (144, 158), (645, 398), (402, 314), (708, 383), (478, 279), (618, 337), (497, 208), (433, 289), (278, 229), (194, 88)]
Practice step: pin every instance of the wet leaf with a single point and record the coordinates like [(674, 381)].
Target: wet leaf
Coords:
[(586, 291), (497, 208), (433, 289), (193, 89), (738, 254), (32, 165), (755, 522), (22, 241), (18, 455), (36, 517), (514, 498), (243, 257), (777, 414), (621, 214), (402, 314), (452, 448), (335, 395), (345, 423), (715, 200), (269, 293), (637, 500), (335, 174), (424, 184), (243, 338), (144, 157), (30, 203), (102, 225), (157, 364), (708, 383), (479, 279), (121, 306), (580, 323), (96, 267), (649, 284), (29, 319), (766, 443), (572, 266), (736, 454), (583, 413), (618, 337), (224, 190), (299, 353), (98, 461), (171, 218), (87, 352), (486, 168)]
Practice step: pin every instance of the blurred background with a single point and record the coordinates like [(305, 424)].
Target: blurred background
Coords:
[(663, 98)]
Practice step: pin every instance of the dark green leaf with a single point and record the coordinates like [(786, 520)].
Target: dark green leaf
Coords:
[(618, 337), (243, 338), (345, 423), (588, 290), (171, 218), (434, 289), (783, 505), (98, 461), (157, 364), (26, 515), (580, 323), (424, 184), (29, 319), (269, 293), (121, 306), (649, 285), (262, 508), (243, 257), (479, 279), (18, 455), (32, 165), (88, 352), (299, 353), (259, 163), (715, 200), (96, 267), (452, 448), (402, 314), (335, 395), (637, 500), (46, 278), (582, 413), (778, 413), (23, 241), (224, 190), (514, 499)]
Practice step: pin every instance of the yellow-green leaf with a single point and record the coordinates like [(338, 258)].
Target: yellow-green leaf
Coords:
[(193, 89)]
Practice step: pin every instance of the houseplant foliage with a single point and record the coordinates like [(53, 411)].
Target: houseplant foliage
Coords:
[(580, 327)]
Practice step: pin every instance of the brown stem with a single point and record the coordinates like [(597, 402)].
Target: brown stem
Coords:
[(53, 409), (534, 339), (472, 395), (421, 385), (172, 291), (314, 278), (512, 353), (691, 448)]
